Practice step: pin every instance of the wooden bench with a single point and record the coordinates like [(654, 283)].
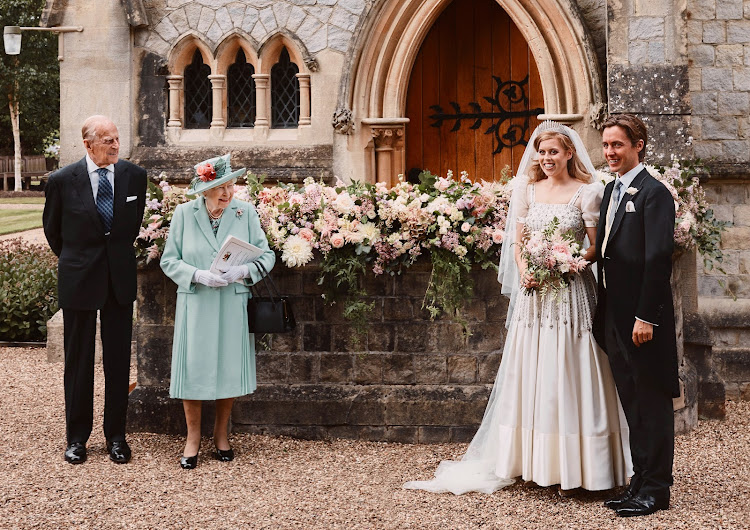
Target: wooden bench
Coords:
[(31, 166)]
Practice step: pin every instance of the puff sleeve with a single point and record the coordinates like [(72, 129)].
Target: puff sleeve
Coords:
[(591, 200), (520, 199)]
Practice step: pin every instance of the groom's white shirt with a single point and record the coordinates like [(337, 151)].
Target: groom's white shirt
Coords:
[(627, 179)]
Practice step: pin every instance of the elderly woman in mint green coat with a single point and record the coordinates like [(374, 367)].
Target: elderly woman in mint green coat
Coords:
[(213, 353)]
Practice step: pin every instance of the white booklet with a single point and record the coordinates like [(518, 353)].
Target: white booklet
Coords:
[(234, 252)]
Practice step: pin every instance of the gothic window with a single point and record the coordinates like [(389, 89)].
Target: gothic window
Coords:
[(284, 93), (198, 101), (241, 92)]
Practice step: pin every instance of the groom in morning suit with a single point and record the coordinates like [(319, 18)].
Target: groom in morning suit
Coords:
[(634, 321), (92, 215)]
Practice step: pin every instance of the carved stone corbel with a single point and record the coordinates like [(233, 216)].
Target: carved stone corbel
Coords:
[(388, 137)]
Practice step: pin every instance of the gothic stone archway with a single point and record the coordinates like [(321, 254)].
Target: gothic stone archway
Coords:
[(377, 83)]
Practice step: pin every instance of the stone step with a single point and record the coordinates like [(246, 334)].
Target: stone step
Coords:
[(396, 413), (733, 364)]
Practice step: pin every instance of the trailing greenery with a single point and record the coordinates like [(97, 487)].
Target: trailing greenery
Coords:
[(450, 286), (340, 274), (28, 288)]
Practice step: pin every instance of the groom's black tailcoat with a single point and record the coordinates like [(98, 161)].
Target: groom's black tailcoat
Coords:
[(95, 272), (637, 265)]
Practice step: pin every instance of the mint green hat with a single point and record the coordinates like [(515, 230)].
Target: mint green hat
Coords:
[(212, 173)]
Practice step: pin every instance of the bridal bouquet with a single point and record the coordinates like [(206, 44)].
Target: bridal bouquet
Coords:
[(552, 258)]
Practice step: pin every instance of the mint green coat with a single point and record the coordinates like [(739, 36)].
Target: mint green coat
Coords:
[(213, 353)]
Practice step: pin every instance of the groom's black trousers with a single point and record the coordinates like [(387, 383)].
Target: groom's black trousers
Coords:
[(648, 409)]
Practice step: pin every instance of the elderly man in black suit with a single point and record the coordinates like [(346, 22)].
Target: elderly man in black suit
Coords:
[(634, 321), (92, 215)]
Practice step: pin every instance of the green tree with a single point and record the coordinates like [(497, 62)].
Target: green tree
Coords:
[(29, 83)]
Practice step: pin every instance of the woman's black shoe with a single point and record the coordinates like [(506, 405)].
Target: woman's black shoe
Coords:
[(188, 462), (224, 456)]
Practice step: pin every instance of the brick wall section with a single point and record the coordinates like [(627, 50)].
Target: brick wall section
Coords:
[(409, 380)]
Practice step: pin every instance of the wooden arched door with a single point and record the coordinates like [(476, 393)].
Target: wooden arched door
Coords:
[(474, 94)]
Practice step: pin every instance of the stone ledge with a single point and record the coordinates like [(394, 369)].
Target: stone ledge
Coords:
[(725, 313)]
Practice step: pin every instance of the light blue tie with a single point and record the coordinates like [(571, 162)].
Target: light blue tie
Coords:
[(105, 200), (615, 202)]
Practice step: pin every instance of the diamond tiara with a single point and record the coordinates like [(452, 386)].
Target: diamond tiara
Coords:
[(549, 125)]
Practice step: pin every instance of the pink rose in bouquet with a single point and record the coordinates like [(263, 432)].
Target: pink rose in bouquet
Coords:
[(552, 257)]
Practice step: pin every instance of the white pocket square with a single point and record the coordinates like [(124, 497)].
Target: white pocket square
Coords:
[(131, 198), (629, 206)]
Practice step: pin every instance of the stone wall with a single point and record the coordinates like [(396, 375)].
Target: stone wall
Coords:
[(409, 380)]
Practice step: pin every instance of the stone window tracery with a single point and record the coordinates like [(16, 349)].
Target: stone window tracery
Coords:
[(198, 97), (285, 93), (241, 107)]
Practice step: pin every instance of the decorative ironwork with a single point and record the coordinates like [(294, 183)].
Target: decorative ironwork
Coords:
[(198, 100), (515, 94), (284, 93), (241, 92)]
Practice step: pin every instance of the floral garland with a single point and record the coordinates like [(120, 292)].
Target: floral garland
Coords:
[(358, 227)]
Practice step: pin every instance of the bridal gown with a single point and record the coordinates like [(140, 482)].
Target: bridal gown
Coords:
[(554, 416)]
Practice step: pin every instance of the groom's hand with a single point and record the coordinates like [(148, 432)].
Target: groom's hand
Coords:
[(642, 332)]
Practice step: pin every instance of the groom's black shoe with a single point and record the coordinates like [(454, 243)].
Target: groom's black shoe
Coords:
[(119, 451), (642, 504), (622, 498), (76, 453)]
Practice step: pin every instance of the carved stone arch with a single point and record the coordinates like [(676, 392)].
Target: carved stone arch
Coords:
[(376, 83), (181, 53), (270, 50), (226, 51)]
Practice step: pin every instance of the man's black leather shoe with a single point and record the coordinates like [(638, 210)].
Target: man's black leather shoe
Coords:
[(642, 504), (75, 453), (119, 452), (616, 502)]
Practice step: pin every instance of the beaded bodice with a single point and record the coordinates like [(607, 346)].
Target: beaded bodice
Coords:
[(540, 215), (575, 305)]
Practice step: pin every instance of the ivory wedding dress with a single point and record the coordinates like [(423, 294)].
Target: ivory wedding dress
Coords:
[(554, 416)]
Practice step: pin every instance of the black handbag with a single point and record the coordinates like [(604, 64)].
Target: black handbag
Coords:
[(271, 313)]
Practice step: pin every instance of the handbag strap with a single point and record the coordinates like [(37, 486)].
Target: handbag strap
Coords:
[(267, 281)]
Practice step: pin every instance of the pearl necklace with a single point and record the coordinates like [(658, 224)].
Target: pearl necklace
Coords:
[(215, 217)]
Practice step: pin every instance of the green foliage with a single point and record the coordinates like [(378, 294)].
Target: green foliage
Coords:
[(450, 286), (28, 289), (340, 273), (37, 74)]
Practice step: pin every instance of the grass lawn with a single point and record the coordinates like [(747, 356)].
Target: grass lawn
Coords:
[(19, 220), (23, 200)]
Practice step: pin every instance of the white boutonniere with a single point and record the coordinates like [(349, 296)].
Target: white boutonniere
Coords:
[(239, 213), (629, 206), (631, 190)]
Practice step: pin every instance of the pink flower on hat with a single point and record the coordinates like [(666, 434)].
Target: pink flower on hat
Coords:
[(206, 172)]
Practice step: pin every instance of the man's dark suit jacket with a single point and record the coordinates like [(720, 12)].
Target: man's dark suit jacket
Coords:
[(637, 264), (90, 261)]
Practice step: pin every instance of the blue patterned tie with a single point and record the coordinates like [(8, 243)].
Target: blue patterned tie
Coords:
[(615, 202), (105, 200)]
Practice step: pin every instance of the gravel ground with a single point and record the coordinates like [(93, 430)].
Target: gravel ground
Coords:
[(35, 235), (287, 483)]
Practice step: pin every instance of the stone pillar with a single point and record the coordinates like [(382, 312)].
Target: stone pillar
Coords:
[(390, 157), (217, 88), (175, 88), (261, 100), (304, 99)]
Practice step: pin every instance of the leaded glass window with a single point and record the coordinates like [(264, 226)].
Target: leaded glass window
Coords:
[(241, 92), (284, 93), (198, 100)]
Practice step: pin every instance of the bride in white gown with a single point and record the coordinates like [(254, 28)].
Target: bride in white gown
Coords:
[(554, 416)]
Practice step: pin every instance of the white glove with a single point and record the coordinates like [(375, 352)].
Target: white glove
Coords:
[(209, 279), (232, 274)]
